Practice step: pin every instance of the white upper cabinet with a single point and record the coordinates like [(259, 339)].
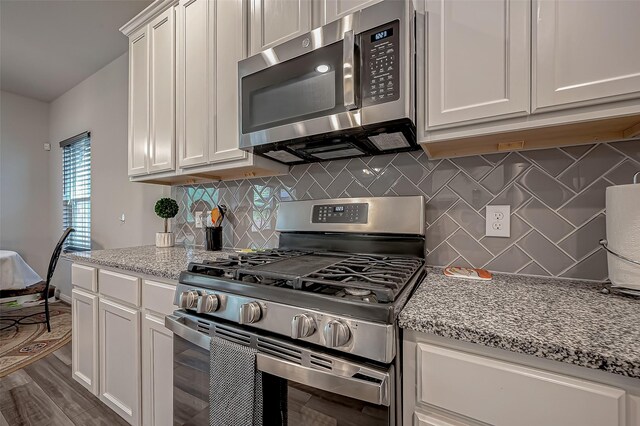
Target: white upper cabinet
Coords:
[(162, 66), (477, 61), (276, 21), (231, 47), (211, 41), (585, 52), (336, 9), (196, 60), (138, 101), (151, 96)]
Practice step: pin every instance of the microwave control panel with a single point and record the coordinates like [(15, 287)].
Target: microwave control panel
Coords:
[(340, 213), (380, 77)]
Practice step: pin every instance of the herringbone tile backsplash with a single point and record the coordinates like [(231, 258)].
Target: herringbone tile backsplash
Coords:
[(557, 199)]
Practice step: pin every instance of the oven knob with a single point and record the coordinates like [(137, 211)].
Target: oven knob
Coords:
[(336, 333), (207, 303), (188, 299), (250, 313), (302, 325)]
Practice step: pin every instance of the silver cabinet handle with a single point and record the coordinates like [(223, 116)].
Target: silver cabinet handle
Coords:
[(348, 70), (362, 390), (177, 326)]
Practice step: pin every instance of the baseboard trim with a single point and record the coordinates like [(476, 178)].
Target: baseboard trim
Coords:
[(64, 298)]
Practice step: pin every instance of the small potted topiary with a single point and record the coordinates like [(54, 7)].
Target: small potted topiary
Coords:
[(166, 208)]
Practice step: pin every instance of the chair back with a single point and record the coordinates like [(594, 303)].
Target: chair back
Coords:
[(56, 255)]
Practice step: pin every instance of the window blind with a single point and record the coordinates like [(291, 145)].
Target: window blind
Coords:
[(76, 192)]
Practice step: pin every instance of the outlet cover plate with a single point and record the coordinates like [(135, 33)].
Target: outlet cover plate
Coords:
[(198, 217), (498, 221)]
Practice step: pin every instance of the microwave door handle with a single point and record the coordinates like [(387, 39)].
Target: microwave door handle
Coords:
[(177, 326), (374, 393), (348, 70)]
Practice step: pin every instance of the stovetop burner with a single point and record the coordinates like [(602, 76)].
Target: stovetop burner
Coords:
[(356, 277)]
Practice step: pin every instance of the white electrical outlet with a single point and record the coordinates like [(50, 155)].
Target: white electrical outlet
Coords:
[(498, 221), (199, 219)]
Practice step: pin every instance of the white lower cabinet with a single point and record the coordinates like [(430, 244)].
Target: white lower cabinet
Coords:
[(454, 388), (84, 345), (157, 372), (121, 350), (120, 359)]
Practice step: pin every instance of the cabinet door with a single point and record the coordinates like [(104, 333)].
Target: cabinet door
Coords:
[(502, 393), (195, 63), (162, 84), (585, 52), (275, 21), (138, 102), (231, 47), (336, 9), (477, 61), (120, 360), (84, 345), (157, 369), (430, 419)]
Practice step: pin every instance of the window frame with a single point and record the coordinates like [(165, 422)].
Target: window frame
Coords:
[(76, 191)]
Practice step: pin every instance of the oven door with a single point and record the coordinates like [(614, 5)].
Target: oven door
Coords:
[(322, 388)]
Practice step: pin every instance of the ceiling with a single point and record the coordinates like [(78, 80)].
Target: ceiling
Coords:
[(47, 47)]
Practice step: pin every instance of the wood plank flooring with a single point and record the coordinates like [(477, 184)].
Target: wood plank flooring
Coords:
[(43, 393)]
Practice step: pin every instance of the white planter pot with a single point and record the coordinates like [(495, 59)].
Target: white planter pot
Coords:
[(165, 239)]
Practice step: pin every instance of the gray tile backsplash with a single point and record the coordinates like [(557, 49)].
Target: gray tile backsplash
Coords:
[(556, 198)]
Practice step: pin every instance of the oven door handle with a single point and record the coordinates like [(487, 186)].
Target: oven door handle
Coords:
[(362, 390), (349, 70), (179, 328)]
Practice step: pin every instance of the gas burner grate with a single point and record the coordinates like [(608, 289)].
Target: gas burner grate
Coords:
[(228, 267), (356, 277), (362, 275)]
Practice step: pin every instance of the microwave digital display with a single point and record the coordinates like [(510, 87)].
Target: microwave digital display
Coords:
[(381, 35)]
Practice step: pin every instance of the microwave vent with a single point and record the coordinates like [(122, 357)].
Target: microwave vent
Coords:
[(387, 141)]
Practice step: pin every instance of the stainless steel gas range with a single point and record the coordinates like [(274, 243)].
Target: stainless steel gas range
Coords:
[(320, 310)]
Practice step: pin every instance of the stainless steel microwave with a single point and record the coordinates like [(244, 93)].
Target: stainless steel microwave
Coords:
[(343, 90)]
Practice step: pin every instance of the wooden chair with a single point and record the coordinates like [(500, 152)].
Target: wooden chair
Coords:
[(15, 321)]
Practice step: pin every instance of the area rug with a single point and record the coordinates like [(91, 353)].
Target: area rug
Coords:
[(27, 343)]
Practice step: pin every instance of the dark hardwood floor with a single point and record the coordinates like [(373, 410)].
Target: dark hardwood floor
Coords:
[(43, 393)]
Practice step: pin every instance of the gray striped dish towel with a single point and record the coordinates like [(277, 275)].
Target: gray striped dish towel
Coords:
[(236, 388)]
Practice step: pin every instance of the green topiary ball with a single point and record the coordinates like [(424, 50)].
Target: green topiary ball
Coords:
[(166, 208)]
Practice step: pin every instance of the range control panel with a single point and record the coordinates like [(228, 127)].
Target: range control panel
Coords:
[(340, 213), (380, 49)]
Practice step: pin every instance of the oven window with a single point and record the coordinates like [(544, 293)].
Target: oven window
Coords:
[(309, 406), (302, 88)]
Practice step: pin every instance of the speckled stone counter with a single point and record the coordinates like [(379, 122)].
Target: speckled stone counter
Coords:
[(567, 321), (149, 260)]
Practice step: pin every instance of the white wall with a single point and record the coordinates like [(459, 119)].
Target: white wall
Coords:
[(99, 105), (24, 173)]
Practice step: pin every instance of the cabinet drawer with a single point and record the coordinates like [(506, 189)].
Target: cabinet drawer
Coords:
[(120, 286), (84, 277), (158, 297), (502, 393)]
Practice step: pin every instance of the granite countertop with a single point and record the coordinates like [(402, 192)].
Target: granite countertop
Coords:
[(150, 260), (567, 321)]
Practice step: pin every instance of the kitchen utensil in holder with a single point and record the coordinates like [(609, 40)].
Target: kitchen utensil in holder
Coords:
[(213, 238)]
